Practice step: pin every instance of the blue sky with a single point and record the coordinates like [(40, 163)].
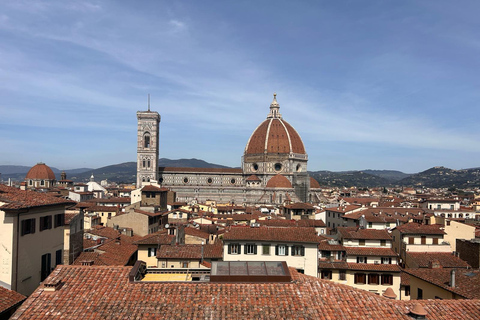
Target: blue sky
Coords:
[(367, 84)]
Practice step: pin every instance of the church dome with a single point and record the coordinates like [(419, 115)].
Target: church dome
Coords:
[(274, 135), (279, 181), (40, 171), (314, 183)]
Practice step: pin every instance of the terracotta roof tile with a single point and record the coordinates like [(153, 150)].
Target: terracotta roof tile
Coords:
[(366, 234), (416, 228), (295, 234), (446, 259), (161, 237), (196, 233), (22, 199), (9, 299), (40, 171), (467, 281), (370, 251), (98, 292), (373, 267), (279, 181)]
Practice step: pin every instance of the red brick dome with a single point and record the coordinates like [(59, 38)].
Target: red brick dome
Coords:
[(40, 171), (274, 135), (314, 183), (279, 181)]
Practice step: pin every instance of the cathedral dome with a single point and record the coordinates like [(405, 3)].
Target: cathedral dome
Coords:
[(40, 171), (279, 181), (274, 135), (314, 183)]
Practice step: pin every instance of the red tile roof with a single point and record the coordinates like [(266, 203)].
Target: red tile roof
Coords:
[(314, 183), (416, 228), (373, 267), (40, 171), (446, 260), (363, 234), (279, 181), (98, 292), (9, 299), (291, 223), (151, 188), (253, 177), (467, 281), (23, 199), (300, 206), (196, 233), (184, 251), (161, 237), (370, 251), (295, 234)]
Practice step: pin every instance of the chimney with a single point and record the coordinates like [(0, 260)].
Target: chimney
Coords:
[(87, 263), (452, 278), (389, 294), (434, 264), (52, 285), (418, 312)]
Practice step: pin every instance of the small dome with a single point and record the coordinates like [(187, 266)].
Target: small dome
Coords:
[(314, 183), (40, 171), (253, 177), (279, 181)]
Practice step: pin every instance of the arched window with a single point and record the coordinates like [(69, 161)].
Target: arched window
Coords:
[(31, 182), (148, 163), (148, 179), (143, 179), (144, 163), (42, 183), (146, 140)]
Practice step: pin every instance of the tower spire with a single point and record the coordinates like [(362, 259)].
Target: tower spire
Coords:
[(274, 108)]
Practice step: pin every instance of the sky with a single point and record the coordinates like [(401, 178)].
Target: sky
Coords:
[(367, 84)]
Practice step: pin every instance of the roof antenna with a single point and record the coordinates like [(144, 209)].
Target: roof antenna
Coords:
[(149, 102)]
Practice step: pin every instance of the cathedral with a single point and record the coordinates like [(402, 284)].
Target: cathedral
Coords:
[(273, 172)]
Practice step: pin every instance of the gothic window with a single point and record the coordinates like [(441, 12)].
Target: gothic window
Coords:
[(143, 179), (146, 140), (144, 163), (148, 163)]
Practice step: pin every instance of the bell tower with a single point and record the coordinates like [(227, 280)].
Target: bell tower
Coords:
[(147, 145)]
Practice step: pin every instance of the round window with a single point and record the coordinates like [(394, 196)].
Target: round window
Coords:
[(278, 166), (232, 181), (255, 167), (185, 180), (209, 180)]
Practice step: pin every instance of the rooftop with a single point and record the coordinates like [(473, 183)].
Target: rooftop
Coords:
[(416, 228), (294, 234), (103, 292), (24, 199)]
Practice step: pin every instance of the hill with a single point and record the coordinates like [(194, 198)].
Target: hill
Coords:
[(349, 179), (441, 177), (390, 175)]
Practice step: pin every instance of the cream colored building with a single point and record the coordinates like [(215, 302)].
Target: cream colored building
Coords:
[(296, 246), (31, 237), (457, 230)]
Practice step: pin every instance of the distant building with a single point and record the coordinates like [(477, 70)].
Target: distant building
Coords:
[(274, 167), (40, 176)]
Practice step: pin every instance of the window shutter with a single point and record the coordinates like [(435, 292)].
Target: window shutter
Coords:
[(365, 260), (33, 228), (23, 228), (240, 249), (276, 250), (358, 259), (255, 249), (302, 250), (286, 250), (229, 249), (389, 260)]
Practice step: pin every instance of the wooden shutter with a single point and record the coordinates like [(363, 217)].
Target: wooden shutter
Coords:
[(255, 249), (276, 250), (229, 248), (302, 250), (286, 250), (23, 228), (358, 259)]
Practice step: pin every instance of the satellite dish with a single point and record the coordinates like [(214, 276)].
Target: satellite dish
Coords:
[(167, 226)]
